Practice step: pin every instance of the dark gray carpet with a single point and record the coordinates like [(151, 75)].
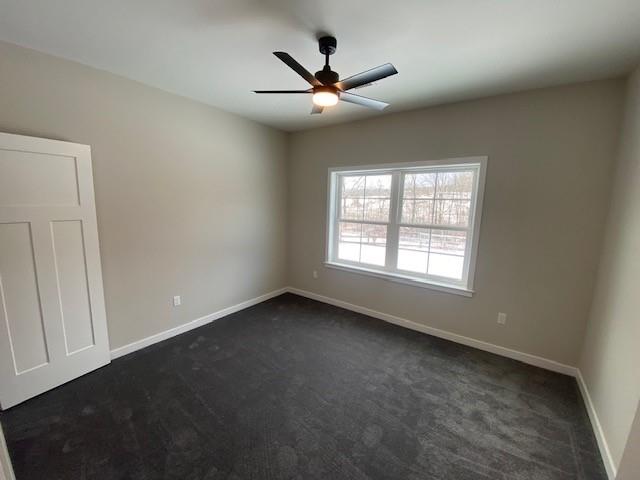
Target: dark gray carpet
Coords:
[(295, 389)]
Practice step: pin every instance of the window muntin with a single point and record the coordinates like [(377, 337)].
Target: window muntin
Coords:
[(416, 221)]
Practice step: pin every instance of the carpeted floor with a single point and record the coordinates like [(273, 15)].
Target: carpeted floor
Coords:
[(295, 389)]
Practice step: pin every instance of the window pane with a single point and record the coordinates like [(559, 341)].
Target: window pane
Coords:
[(413, 248), (419, 185), (378, 186), (349, 241), (407, 211), (417, 198), (376, 209), (448, 241), (446, 257), (366, 197), (452, 212), (423, 211), (353, 186), (374, 242), (446, 266), (352, 208), (352, 201), (377, 197), (362, 243), (455, 185)]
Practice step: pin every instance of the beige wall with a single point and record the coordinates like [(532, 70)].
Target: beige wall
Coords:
[(610, 360), (550, 157), (190, 199)]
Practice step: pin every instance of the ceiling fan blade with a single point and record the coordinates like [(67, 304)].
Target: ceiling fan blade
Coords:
[(316, 109), (364, 101), (296, 67), (283, 91), (369, 76)]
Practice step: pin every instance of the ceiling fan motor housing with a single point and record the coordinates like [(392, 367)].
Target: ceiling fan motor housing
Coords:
[(326, 76)]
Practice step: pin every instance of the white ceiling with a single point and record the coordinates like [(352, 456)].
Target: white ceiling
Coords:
[(218, 51)]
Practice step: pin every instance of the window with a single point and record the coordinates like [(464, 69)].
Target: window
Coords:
[(416, 223)]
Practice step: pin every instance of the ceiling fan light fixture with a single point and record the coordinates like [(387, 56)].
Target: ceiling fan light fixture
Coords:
[(325, 96)]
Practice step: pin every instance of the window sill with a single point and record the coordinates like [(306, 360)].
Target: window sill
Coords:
[(406, 280)]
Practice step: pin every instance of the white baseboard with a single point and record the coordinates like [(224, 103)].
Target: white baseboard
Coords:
[(607, 459), (198, 322), (454, 337)]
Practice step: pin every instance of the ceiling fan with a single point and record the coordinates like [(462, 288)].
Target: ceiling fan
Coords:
[(326, 86)]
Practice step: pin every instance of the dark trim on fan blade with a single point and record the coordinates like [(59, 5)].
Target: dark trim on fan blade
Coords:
[(296, 67), (283, 91), (375, 74), (364, 101)]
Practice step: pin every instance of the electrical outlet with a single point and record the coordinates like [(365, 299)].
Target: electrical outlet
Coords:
[(502, 318), (315, 274), (177, 301)]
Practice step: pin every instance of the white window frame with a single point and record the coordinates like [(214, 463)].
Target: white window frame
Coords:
[(389, 271)]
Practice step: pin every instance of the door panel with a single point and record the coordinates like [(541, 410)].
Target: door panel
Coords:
[(30, 178), (21, 307), (52, 318), (69, 254)]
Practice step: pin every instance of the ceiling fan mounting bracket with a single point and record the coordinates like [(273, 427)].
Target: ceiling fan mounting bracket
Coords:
[(328, 45)]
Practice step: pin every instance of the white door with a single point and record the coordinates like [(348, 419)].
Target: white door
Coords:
[(52, 317)]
